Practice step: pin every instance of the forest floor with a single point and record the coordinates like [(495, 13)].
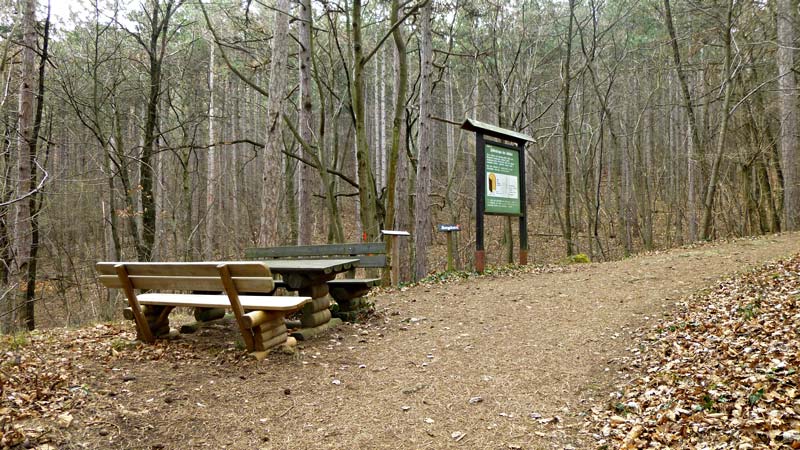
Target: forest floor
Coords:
[(524, 358)]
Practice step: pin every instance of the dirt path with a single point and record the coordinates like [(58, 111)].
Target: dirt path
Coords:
[(531, 346)]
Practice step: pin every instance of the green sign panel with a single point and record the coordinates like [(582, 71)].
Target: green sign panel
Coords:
[(502, 181)]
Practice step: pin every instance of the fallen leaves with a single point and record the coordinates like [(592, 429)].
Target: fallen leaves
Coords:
[(32, 388), (722, 372), (43, 377)]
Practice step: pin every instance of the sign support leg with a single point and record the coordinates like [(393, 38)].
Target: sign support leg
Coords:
[(480, 184), (523, 208)]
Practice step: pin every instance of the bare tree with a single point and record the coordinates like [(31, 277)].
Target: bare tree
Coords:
[(422, 203), (268, 230), (787, 83), (26, 155)]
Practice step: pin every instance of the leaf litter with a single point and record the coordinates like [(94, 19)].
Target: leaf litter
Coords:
[(722, 372), (114, 393)]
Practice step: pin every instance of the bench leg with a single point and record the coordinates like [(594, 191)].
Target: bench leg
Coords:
[(270, 325), (258, 341), (141, 322), (236, 306)]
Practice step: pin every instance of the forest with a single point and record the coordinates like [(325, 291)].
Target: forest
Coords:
[(172, 130)]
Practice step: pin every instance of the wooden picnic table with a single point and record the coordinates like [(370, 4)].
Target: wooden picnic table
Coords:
[(309, 277), (306, 273)]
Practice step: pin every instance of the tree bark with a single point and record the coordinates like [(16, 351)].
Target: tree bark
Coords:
[(787, 83), (271, 182), (422, 202), (400, 92), (727, 74), (367, 194), (306, 186), (211, 164), (26, 151), (156, 51), (695, 148), (567, 154)]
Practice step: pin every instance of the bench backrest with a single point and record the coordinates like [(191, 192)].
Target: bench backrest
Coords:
[(370, 255), (252, 277)]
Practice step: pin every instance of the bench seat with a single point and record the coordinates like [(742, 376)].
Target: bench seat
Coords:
[(248, 302), (355, 282), (350, 288)]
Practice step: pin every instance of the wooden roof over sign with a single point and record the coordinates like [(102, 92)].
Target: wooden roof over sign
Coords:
[(495, 131)]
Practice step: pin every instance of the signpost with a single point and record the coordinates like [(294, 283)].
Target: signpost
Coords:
[(499, 182), (395, 252), (449, 229)]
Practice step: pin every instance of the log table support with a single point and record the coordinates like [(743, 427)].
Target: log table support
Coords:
[(349, 295), (316, 316)]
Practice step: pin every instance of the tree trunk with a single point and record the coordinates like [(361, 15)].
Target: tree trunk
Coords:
[(26, 151), (211, 164), (422, 205), (787, 84), (695, 146), (271, 182), (306, 186), (156, 51), (565, 136), (400, 92), (368, 201), (727, 72)]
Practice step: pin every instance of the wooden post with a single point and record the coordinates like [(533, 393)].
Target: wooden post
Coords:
[(523, 208), (393, 236), (450, 263), (480, 192), (395, 260), (141, 321), (449, 229)]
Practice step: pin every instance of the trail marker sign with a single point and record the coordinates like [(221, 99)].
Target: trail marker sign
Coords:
[(499, 182), (449, 228)]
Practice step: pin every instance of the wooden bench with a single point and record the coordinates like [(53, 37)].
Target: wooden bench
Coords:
[(260, 317), (347, 292)]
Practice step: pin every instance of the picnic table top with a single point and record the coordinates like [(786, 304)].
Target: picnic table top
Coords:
[(323, 266)]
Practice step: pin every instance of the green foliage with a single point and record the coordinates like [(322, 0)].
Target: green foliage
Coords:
[(755, 397), (707, 403), (750, 311), (16, 341), (580, 258)]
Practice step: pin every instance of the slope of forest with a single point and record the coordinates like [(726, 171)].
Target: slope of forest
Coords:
[(575, 356), (183, 130), (722, 370)]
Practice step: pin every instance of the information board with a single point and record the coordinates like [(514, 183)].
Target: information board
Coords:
[(502, 181)]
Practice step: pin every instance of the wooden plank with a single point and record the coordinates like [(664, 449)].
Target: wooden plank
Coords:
[(316, 319), (236, 306), (264, 319), (274, 342), (133, 302), (323, 266), (314, 251), (373, 261), (187, 269), (185, 283), (270, 333), (256, 303), (355, 282)]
